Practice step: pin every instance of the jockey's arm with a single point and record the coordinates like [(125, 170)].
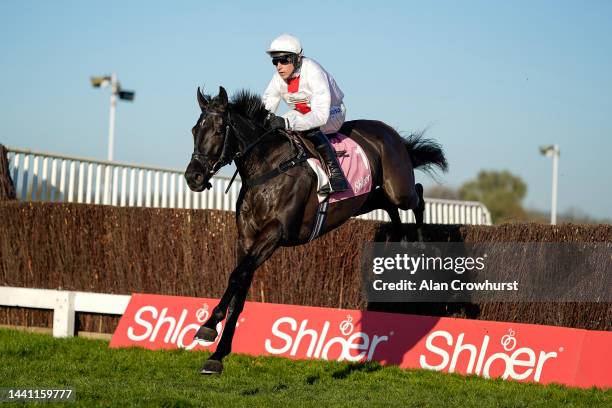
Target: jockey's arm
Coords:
[(272, 95), (320, 104)]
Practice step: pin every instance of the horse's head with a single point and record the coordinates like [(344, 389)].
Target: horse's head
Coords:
[(210, 147)]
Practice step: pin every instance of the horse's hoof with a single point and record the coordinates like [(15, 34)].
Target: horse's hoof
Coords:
[(206, 334), (212, 367)]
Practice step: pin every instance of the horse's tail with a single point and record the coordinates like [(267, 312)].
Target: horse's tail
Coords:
[(426, 154)]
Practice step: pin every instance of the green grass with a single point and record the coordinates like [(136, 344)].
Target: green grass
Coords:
[(137, 377)]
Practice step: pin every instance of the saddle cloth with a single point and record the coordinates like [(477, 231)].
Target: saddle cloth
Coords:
[(355, 167)]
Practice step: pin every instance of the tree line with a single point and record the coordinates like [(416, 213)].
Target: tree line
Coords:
[(503, 192)]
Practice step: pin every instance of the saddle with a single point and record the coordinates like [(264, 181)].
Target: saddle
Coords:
[(300, 139)]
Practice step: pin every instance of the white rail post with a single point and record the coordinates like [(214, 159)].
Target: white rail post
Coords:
[(140, 187), (148, 190), (107, 185), (115, 186), (123, 190), (164, 197), (62, 185), (35, 180), (172, 190), (156, 190), (99, 184), (44, 193), (71, 178), (81, 180), (180, 189), (63, 315), (25, 177), (89, 183), (53, 194), (132, 187)]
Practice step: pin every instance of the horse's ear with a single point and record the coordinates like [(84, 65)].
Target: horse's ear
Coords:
[(222, 97), (202, 100)]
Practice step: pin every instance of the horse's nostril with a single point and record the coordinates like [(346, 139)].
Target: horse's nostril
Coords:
[(199, 178)]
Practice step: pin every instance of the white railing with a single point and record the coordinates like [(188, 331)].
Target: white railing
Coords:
[(65, 304), (439, 211), (40, 176)]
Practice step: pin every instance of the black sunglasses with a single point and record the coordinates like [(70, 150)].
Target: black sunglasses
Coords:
[(284, 60)]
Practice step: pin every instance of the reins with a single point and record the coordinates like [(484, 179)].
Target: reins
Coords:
[(226, 157)]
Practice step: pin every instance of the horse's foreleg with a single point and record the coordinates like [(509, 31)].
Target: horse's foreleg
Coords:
[(263, 246), (208, 331), (214, 363)]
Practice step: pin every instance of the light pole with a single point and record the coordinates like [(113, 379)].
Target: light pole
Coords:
[(116, 91), (554, 152)]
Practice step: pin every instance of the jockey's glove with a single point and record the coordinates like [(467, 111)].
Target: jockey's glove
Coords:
[(276, 122)]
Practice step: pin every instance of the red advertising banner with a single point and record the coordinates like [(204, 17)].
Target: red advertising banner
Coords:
[(522, 352)]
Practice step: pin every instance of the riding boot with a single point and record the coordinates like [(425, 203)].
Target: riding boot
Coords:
[(337, 180)]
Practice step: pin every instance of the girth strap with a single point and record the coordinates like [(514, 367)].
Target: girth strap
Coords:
[(320, 219)]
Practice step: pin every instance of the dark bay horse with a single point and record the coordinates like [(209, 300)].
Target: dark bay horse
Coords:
[(280, 209)]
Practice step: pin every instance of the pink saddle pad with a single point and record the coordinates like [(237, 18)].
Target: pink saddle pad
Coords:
[(354, 164)]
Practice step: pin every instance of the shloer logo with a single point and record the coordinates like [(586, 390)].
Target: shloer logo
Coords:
[(523, 359), (291, 336)]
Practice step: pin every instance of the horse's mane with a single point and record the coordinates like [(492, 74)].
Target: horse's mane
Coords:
[(249, 104)]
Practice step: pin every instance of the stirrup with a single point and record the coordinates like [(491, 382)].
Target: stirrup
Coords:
[(325, 189)]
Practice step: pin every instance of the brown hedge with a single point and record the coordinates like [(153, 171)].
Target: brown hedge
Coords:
[(190, 252)]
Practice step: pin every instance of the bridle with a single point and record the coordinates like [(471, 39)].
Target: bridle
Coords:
[(227, 156), (202, 158)]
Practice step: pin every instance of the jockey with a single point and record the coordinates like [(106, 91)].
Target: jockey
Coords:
[(314, 98)]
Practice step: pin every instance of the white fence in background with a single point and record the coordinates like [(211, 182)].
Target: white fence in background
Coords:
[(40, 176), (65, 304)]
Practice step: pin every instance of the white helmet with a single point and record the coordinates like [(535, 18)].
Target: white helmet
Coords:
[(285, 43)]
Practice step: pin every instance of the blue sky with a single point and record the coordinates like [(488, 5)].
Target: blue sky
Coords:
[(490, 80)]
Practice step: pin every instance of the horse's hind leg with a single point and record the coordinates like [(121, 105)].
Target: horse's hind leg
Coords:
[(399, 183), (398, 175), (419, 211), (379, 200), (396, 222)]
